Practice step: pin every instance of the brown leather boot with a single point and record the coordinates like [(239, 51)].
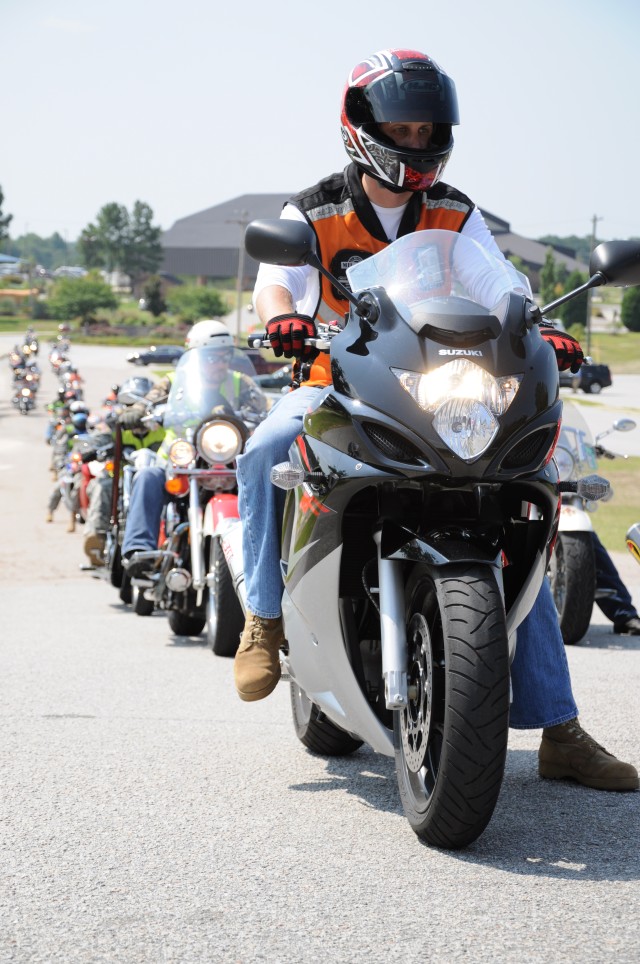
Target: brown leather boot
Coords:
[(256, 668), (94, 545), (567, 752)]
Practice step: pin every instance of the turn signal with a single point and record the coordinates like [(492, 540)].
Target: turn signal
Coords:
[(179, 485)]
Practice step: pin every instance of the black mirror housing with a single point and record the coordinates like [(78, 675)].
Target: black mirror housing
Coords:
[(280, 241), (617, 261)]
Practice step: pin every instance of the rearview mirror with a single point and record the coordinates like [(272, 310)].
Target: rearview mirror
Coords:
[(618, 261), (282, 241)]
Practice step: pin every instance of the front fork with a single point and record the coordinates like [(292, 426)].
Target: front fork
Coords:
[(196, 540), (393, 636)]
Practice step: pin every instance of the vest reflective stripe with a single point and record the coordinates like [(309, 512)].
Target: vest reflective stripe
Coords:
[(338, 228)]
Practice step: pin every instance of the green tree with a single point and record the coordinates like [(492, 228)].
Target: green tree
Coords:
[(574, 312), (548, 278), (152, 293), (5, 221), (102, 244), (122, 241), (80, 298), (194, 302), (142, 249), (579, 248), (630, 309), (49, 252)]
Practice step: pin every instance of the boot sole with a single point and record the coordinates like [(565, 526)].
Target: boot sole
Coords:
[(258, 694), (551, 771)]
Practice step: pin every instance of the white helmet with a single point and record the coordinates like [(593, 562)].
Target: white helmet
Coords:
[(209, 334)]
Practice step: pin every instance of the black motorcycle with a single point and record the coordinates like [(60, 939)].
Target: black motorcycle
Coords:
[(422, 508)]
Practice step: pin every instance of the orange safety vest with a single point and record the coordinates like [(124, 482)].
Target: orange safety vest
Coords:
[(348, 230)]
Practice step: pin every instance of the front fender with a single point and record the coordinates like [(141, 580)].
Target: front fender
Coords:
[(574, 519), (220, 511)]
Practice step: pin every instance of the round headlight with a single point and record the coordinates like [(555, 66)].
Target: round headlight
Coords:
[(182, 453), (220, 442)]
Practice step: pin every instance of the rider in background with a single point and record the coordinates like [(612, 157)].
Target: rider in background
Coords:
[(226, 389), (398, 111)]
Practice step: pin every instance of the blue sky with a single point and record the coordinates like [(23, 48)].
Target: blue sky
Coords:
[(188, 104)]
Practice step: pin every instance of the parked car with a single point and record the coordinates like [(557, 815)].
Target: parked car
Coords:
[(157, 355), (591, 378)]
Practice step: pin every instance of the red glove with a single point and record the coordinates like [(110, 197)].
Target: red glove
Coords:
[(568, 351), (287, 333)]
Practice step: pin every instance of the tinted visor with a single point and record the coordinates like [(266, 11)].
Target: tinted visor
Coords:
[(416, 94)]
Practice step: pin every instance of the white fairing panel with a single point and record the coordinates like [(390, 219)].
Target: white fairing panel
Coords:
[(318, 660)]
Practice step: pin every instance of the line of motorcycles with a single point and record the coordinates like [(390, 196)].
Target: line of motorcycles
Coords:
[(25, 372), (423, 502), (188, 575)]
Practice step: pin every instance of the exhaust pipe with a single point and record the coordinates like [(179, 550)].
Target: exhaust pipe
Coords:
[(231, 543)]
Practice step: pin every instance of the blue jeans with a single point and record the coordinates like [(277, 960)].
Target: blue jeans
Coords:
[(539, 675), (618, 606), (148, 498)]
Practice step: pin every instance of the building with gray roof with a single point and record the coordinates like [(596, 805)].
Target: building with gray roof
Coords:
[(206, 245)]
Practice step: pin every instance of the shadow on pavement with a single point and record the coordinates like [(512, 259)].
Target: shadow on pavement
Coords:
[(366, 775), (602, 637), (540, 828), (556, 828)]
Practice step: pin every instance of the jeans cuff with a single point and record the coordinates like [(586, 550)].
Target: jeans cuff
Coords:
[(542, 726)]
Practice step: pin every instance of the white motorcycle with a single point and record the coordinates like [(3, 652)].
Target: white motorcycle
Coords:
[(572, 569)]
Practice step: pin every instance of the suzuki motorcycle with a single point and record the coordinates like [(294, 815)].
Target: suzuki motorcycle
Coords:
[(572, 567), (411, 551), (188, 574)]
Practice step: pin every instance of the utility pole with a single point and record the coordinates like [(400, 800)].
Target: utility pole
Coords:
[(594, 221), (243, 220)]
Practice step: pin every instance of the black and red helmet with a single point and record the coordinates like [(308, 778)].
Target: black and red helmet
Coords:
[(392, 86)]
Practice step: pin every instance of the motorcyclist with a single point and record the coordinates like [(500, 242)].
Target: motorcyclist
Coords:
[(69, 426), (398, 110), (134, 395), (227, 389)]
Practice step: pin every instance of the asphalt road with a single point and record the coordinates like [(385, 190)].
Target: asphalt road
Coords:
[(148, 815)]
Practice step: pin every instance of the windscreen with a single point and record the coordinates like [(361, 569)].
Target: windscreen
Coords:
[(204, 379), (425, 271)]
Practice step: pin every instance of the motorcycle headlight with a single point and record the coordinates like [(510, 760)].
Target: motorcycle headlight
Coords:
[(25, 392), (182, 453), (465, 400), (220, 441)]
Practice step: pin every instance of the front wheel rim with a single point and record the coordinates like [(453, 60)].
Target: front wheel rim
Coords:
[(416, 719)]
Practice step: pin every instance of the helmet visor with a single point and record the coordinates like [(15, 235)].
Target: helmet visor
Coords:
[(415, 94)]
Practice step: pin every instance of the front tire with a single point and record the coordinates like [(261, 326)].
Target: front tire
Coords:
[(451, 741), (225, 619), (318, 733), (116, 569), (572, 573), (126, 589), (141, 606), (183, 625)]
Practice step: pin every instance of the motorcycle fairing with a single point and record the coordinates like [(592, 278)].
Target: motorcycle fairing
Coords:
[(318, 659)]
